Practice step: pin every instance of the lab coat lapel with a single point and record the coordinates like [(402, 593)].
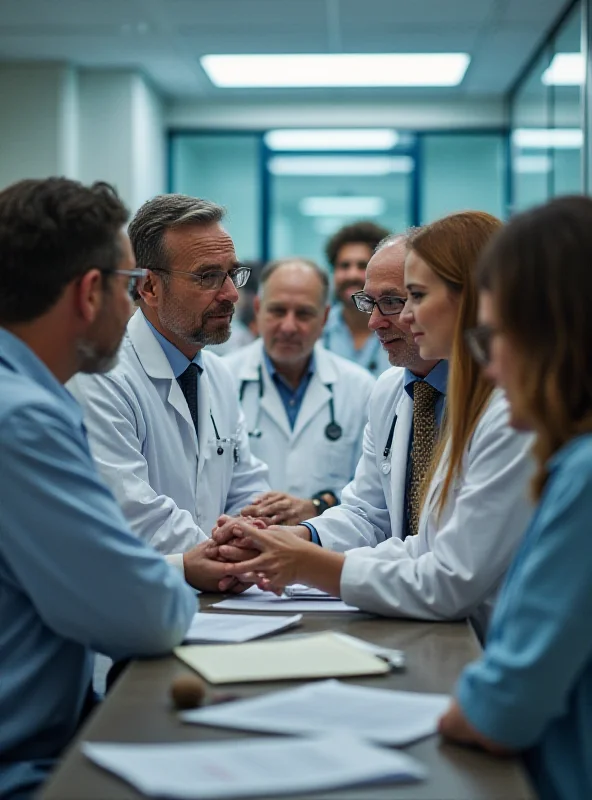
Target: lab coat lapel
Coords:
[(204, 423), (157, 367), (399, 455), (317, 392)]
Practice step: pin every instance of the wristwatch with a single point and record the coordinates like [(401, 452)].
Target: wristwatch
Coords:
[(320, 505)]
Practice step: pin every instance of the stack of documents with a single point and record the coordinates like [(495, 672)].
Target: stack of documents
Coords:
[(253, 768), (378, 715), (233, 628), (256, 600), (319, 655)]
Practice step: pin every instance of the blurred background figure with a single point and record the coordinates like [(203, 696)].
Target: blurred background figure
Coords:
[(346, 332)]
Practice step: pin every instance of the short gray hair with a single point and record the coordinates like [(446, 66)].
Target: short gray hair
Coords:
[(393, 238), (273, 266), (156, 216)]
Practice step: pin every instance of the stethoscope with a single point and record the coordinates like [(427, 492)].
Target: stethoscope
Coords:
[(385, 467), (333, 430), (221, 441), (373, 363)]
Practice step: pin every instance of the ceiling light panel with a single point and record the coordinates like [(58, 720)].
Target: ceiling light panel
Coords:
[(340, 165), (342, 206), (336, 69), (332, 139), (566, 69), (548, 138)]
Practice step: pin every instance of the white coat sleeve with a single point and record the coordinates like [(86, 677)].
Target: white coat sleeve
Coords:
[(249, 476), (362, 392), (111, 418), (363, 518), (473, 549)]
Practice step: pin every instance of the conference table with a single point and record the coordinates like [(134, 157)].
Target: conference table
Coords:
[(138, 709)]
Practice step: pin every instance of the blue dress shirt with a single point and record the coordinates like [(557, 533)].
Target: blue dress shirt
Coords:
[(175, 357), (338, 339), (73, 578), (532, 689), (291, 398)]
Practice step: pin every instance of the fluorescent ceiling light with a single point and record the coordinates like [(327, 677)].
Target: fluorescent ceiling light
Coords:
[(566, 69), (339, 165), (336, 69), (532, 165), (342, 206), (336, 139), (548, 138)]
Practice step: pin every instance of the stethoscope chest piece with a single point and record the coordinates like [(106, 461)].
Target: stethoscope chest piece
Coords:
[(333, 431), (385, 467)]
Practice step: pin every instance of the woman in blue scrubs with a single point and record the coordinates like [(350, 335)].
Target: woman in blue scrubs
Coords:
[(532, 689)]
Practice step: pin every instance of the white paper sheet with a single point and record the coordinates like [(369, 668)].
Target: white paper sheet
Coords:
[(235, 628), (256, 600), (256, 767), (378, 715)]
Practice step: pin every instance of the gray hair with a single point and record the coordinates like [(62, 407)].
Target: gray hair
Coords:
[(156, 216), (273, 266), (395, 238)]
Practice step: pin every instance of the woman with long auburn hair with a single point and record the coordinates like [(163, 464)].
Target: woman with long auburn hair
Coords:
[(532, 689), (474, 507)]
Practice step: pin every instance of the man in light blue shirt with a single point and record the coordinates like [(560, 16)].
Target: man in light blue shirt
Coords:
[(73, 578), (346, 332)]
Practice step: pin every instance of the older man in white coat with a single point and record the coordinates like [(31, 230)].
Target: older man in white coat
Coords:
[(165, 426), (306, 407)]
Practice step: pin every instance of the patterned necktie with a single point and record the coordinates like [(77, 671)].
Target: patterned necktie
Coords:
[(188, 383), (425, 430)]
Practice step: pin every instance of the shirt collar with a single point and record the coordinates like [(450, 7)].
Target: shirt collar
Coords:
[(21, 359), (273, 373), (175, 357), (437, 377)]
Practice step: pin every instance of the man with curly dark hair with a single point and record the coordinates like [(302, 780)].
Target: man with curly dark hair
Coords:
[(346, 332)]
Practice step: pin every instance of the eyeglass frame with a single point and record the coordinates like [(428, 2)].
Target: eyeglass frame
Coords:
[(133, 276), (198, 278), (376, 304)]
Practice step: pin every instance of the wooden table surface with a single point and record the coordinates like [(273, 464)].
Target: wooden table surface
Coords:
[(138, 710)]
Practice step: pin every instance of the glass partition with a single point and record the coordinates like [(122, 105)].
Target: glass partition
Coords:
[(546, 118)]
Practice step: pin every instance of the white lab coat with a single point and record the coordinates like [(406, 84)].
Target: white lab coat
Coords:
[(453, 568), (171, 484), (371, 509), (303, 461)]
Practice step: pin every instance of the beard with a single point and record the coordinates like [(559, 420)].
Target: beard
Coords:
[(173, 319), (92, 359)]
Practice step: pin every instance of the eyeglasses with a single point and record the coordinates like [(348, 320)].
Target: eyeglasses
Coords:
[(388, 306), (132, 274), (214, 279), (479, 341)]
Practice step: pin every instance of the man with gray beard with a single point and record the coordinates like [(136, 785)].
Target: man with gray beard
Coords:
[(165, 426)]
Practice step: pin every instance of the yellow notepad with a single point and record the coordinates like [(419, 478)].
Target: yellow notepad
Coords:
[(320, 655)]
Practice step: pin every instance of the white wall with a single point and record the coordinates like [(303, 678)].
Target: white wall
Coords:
[(87, 124), (38, 106), (121, 134), (420, 114)]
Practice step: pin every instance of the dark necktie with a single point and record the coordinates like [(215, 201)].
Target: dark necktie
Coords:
[(188, 383), (425, 431)]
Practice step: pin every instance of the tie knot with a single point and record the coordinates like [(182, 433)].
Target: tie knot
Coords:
[(191, 371), (424, 395)]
